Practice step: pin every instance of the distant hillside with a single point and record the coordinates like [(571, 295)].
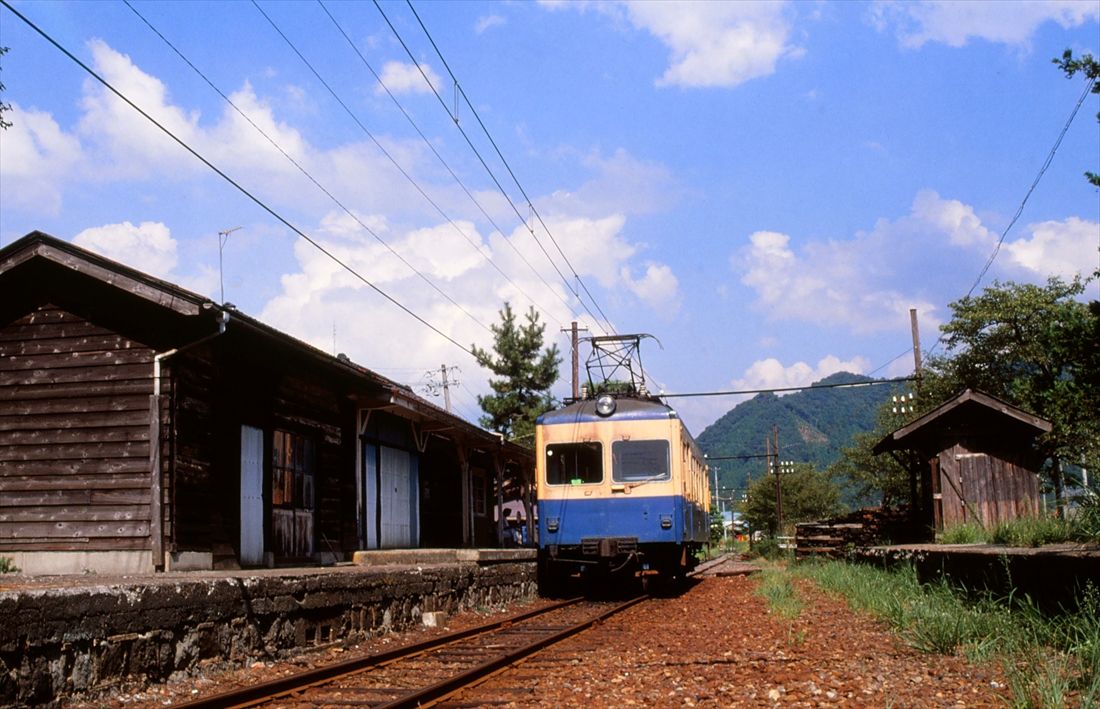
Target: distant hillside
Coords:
[(814, 426)]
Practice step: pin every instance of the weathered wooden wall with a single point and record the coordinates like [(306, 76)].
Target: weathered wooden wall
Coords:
[(215, 389), (74, 436), (986, 486)]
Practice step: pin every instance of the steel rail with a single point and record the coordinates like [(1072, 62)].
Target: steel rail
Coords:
[(265, 691), (429, 695)]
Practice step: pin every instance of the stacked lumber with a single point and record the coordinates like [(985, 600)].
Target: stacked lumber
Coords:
[(834, 538)]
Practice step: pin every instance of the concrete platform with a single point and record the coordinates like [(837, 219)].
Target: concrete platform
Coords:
[(424, 557), (1052, 575), (70, 634)]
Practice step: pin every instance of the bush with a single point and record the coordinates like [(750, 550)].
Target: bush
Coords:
[(7, 566), (769, 548)]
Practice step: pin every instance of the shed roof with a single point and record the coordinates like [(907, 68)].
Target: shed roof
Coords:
[(33, 268), (973, 410)]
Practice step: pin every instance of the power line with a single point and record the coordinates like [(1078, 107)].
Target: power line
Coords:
[(485, 165), (454, 175), (305, 172), (848, 385), (256, 200), (1019, 210), (507, 166)]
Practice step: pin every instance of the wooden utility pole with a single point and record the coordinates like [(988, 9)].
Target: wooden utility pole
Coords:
[(916, 344), (576, 358), (778, 485)]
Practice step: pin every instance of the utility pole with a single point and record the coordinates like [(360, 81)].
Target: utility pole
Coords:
[(430, 385), (778, 486), (446, 388), (916, 345), (576, 358), (223, 236)]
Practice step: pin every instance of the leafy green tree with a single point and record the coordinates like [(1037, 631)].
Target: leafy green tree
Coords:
[(878, 479), (1036, 348), (524, 374), (1090, 67), (807, 495)]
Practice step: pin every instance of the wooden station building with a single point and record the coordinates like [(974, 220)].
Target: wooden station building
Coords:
[(144, 427), (971, 459)]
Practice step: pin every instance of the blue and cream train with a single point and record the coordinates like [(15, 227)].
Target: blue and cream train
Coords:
[(622, 492)]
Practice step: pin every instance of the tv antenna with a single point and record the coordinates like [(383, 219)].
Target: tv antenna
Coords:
[(223, 236)]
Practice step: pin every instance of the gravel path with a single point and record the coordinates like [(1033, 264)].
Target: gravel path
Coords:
[(716, 645), (719, 646)]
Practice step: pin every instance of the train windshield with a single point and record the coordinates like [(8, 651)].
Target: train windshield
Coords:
[(639, 461), (574, 463)]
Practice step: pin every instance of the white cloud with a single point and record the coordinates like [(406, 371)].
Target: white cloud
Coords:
[(658, 287), (127, 144), (404, 78), (954, 23), (320, 293), (953, 218), (1065, 248), (484, 23), (866, 283), (148, 247), (713, 44), (36, 159), (772, 374)]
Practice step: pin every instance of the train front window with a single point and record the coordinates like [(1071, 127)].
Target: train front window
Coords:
[(639, 461), (574, 463)]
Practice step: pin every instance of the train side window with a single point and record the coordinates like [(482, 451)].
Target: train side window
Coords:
[(634, 461), (574, 463)]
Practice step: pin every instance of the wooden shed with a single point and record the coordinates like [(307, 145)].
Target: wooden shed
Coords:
[(144, 427), (973, 458)]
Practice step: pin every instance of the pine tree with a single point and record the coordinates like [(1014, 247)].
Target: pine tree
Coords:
[(524, 373)]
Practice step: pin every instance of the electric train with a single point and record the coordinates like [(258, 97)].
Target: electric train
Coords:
[(622, 492)]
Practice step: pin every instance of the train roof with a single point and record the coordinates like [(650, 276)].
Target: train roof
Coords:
[(627, 408)]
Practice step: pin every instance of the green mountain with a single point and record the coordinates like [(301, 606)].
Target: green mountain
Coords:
[(814, 426)]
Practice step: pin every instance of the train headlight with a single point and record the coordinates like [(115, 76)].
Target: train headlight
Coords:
[(605, 405)]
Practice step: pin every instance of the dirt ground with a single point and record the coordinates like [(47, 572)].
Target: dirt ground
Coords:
[(715, 645)]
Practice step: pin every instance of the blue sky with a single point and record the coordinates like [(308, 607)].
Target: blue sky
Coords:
[(766, 188)]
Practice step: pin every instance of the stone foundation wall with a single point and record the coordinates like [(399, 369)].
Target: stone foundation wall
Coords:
[(60, 641)]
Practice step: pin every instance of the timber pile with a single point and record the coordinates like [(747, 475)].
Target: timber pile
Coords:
[(866, 527)]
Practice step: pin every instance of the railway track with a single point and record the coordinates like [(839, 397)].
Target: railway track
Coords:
[(425, 672)]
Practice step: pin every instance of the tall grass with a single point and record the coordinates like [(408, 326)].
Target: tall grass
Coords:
[(776, 587), (1049, 660), (1082, 526)]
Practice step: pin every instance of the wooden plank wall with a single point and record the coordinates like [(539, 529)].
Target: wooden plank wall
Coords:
[(74, 436), (213, 396), (996, 486)]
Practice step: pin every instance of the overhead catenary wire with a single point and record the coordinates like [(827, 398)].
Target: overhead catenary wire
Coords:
[(305, 172), (240, 188), (456, 178), (773, 390), (489, 171), (530, 203)]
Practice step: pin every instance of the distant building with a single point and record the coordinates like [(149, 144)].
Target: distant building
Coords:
[(971, 459), (144, 427)]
